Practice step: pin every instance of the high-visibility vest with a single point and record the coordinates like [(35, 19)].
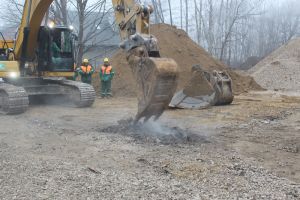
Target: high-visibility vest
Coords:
[(86, 69), (106, 70)]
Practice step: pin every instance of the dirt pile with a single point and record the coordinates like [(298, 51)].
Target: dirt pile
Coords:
[(176, 44), (281, 69)]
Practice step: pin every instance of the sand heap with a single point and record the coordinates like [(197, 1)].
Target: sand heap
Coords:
[(176, 44), (281, 69)]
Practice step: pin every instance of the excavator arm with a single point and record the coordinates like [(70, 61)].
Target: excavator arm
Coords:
[(33, 14), (156, 77)]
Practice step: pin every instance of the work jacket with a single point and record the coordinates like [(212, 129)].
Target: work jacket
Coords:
[(106, 73), (86, 70), (86, 73)]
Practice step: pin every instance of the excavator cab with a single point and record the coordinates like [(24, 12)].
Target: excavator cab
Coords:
[(55, 50)]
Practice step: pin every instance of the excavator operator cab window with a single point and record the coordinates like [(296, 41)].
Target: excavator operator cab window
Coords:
[(61, 50), (56, 46), (61, 44)]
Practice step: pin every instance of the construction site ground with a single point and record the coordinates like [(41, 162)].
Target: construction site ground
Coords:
[(248, 150)]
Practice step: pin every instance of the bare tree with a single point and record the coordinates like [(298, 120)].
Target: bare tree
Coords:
[(59, 11), (231, 30), (90, 18), (13, 13), (181, 15), (155, 11), (170, 11), (187, 16), (197, 22), (162, 18)]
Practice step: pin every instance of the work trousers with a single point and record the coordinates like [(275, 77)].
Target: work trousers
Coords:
[(106, 88), (86, 78)]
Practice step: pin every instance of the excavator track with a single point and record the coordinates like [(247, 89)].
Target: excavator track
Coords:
[(82, 94), (13, 100)]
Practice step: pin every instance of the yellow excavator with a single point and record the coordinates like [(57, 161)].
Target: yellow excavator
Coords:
[(33, 68)]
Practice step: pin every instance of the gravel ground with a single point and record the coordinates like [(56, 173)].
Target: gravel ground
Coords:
[(246, 151)]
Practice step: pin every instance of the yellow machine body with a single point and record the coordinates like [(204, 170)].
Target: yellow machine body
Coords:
[(9, 69), (7, 43)]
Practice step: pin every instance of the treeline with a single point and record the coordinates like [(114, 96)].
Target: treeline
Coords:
[(233, 30)]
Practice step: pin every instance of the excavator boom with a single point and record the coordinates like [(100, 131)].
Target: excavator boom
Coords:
[(33, 14)]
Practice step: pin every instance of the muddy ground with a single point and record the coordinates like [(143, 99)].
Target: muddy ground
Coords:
[(248, 150)]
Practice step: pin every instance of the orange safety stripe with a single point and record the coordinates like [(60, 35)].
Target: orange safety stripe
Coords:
[(106, 70), (86, 69)]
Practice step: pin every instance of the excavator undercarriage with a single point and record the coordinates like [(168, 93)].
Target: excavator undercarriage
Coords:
[(15, 93), (13, 99)]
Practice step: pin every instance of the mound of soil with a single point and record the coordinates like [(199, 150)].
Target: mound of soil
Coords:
[(176, 44), (281, 69)]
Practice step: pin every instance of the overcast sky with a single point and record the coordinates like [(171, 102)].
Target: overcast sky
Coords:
[(175, 5)]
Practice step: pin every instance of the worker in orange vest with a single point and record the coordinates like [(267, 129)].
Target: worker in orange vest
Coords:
[(86, 71), (106, 75)]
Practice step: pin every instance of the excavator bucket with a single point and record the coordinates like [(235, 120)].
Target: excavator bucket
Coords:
[(156, 77), (222, 84), (157, 82), (204, 89)]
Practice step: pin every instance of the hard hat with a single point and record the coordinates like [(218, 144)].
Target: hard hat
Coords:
[(85, 60), (106, 60)]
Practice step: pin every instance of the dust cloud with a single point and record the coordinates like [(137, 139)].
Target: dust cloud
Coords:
[(154, 132)]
